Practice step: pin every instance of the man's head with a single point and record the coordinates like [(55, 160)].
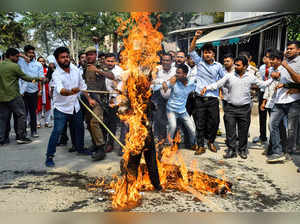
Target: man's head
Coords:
[(173, 54), (240, 64), (42, 61), (82, 58), (228, 61), (276, 58), (293, 49), (29, 51), (110, 60), (180, 58), (190, 61), (208, 53), (101, 57), (91, 55), (12, 54), (166, 61), (181, 73), (266, 58), (62, 56)]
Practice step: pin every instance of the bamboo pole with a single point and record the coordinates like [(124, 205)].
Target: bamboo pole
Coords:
[(102, 123)]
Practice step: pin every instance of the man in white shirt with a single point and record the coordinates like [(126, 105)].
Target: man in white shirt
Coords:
[(160, 97), (112, 119), (287, 102), (68, 83)]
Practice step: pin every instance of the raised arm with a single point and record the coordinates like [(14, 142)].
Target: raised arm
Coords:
[(196, 37)]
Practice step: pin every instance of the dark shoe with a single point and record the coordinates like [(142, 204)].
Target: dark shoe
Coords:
[(24, 141), (230, 154), (92, 148), (34, 135), (200, 150), (84, 152), (99, 154), (72, 149), (49, 162), (109, 148), (212, 147), (243, 155)]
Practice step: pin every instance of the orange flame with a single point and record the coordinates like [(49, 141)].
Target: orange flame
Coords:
[(140, 59)]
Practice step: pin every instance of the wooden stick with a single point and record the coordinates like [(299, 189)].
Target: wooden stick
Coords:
[(100, 92), (102, 123)]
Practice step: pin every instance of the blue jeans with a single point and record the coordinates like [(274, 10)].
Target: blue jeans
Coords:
[(76, 124), (187, 122), (279, 112), (293, 125)]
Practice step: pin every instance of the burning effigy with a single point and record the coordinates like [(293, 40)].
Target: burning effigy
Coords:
[(149, 173)]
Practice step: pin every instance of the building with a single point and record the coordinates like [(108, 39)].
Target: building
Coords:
[(241, 32)]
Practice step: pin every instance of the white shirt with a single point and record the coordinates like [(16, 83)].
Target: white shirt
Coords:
[(110, 86), (163, 76), (225, 87), (239, 87), (62, 79), (281, 94)]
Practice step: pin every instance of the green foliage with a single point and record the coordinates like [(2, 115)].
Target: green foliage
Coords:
[(293, 23), (11, 32)]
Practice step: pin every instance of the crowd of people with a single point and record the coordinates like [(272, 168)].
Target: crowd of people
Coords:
[(186, 90)]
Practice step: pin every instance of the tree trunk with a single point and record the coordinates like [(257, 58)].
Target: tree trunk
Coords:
[(115, 43), (72, 43), (46, 42)]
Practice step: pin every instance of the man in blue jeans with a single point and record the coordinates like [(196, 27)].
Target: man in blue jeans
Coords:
[(68, 82), (180, 90)]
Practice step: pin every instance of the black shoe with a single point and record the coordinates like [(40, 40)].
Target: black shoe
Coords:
[(230, 154), (99, 154), (24, 141), (72, 149), (243, 155)]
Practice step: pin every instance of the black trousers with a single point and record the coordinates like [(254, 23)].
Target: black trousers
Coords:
[(30, 100), (262, 118), (160, 120), (206, 115), (224, 102), (17, 107), (238, 116)]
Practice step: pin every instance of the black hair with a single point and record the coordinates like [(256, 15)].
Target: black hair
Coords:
[(101, 54), (296, 42), (228, 55), (40, 58), (243, 59), (276, 54), (28, 48), (269, 50), (110, 55), (59, 51), (11, 52), (81, 53), (208, 47), (245, 54), (184, 68), (167, 54), (180, 52)]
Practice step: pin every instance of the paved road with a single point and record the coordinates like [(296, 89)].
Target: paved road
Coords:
[(27, 185)]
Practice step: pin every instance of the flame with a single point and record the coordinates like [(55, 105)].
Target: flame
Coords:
[(140, 59)]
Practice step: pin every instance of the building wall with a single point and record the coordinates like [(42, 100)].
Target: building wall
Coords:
[(231, 16)]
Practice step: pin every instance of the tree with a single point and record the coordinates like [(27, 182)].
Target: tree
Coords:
[(12, 33), (293, 23)]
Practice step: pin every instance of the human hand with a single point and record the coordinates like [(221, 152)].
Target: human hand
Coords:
[(198, 33), (293, 91), (203, 91), (75, 90), (92, 102)]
